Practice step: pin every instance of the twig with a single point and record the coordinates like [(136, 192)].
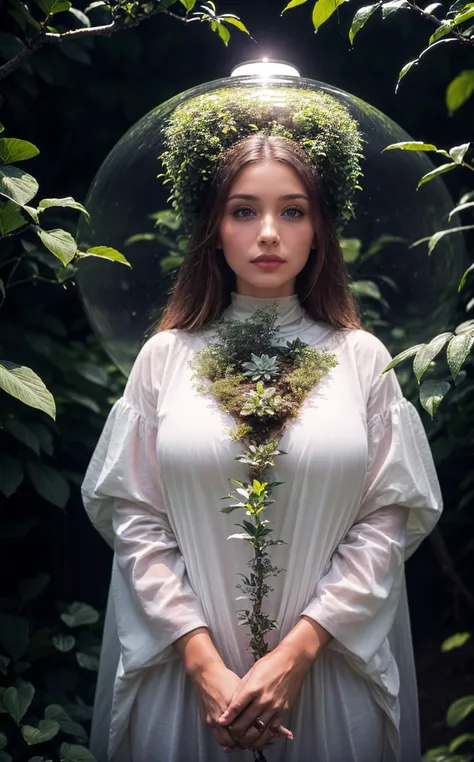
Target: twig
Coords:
[(48, 38), (439, 22)]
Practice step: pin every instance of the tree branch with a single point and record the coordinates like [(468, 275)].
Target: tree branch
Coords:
[(48, 38), (439, 22)]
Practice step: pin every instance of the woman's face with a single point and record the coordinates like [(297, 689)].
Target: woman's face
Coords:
[(267, 229)]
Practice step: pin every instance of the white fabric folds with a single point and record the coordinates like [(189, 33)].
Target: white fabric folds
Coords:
[(359, 494)]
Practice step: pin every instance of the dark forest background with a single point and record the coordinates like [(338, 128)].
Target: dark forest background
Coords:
[(74, 102)]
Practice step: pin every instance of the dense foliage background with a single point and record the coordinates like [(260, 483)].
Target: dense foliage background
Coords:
[(74, 101)]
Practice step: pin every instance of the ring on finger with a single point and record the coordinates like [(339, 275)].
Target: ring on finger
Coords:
[(259, 724)]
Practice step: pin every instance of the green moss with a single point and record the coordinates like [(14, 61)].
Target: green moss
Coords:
[(199, 130)]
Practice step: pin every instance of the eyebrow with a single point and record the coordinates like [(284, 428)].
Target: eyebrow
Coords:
[(286, 197)]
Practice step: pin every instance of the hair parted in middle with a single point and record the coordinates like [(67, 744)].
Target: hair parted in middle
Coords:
[(205, 281)]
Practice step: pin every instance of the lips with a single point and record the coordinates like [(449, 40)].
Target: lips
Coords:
[(267, 258)]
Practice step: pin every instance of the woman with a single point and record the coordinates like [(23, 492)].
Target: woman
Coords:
[(359, 494)]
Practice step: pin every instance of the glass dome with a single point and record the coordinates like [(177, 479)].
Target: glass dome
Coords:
[(406, 295)]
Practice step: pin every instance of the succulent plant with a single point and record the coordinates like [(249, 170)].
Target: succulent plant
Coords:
[(262, 367), (291, 349)]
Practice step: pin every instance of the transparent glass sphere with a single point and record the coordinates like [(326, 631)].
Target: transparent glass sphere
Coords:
[(406, 295)]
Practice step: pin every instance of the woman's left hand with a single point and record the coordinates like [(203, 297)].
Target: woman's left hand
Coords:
[(267, 692)]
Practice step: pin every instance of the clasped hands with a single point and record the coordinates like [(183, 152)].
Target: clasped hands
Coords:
[(229, 705)]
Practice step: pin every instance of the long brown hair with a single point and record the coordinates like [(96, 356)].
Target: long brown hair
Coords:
[(205, 281)]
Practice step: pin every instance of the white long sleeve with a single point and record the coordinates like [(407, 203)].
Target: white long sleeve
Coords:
[(357, 598), (123, 496)]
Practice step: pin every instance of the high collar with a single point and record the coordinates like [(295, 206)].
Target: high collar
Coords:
[(291, 317)]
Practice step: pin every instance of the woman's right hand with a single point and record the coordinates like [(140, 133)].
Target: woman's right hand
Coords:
[(215, 687)]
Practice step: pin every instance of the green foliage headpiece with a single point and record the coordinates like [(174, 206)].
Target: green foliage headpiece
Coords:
[(201, 129)]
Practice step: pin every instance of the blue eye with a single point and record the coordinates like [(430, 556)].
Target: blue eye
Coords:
[(299, 212), (237, 212)]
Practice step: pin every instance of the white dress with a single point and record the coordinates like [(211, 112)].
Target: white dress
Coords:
[(360, 493)]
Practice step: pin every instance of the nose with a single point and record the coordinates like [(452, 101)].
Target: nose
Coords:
[(268, 231)]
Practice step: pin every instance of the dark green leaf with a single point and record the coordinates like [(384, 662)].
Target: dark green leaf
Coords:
[(46, 730), (432, 394), (460, 740), (462, 282), (394, 5), (460, 90), (11, 218), (4, 664), (458, 350), (17, 185), (11, 474), (13, 150), (445, 28), (74, 753), (88, 661), (93, 373), (60, 243), (436, 238), (459, 710), (26, 386), (17, 700), (50, 7), (22, 432), (427, 353), (66, 724), (3, 741), (79, 614), (68, 202), (360, 18), (5, 757), (49, 483), (30, 589), (63, 643)]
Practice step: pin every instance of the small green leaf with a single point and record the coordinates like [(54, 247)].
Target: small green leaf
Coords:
[(404, 70), (436, 172), (46, 730), (60, 243), (66, 724), (293, 4), (427, 352), (360, 18), (445, 28), (22, 433), (13, 150), (392, 6), (49, 483), (31, 588), (93, 373), (432, 394), (107, 252), (455, 641), (223, 33), (323, 10), (457, 153), (432, 7), (79, 614), (88, 661), (467, 325), (459, 710), (411, 145), (17, 700), (63, 643), (11, 474), (460, 90), (73, 753), (462, 17), (436, 237), (68, 202), (26, 386), (460, 208), (462, 282), (50, 7), (11, 217), (235, 22), (402, 356), (458, 350), (17, 185), (188, 4), (460, 740), (4, 664)]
